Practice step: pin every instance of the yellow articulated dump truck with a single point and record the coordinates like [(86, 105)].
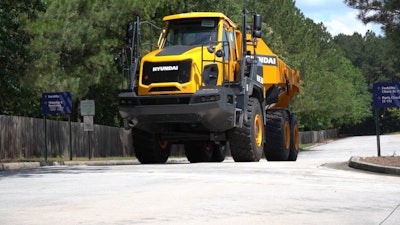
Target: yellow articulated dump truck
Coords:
[(211, 87)]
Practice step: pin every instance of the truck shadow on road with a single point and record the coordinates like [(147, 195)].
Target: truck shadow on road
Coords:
[(52, 170)]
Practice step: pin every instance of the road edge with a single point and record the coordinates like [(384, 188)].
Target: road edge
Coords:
[(19, 166), (35, 165), (356, 163)]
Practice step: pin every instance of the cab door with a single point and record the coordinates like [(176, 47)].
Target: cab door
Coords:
[(230, 53)]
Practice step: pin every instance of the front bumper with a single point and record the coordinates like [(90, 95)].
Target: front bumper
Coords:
[(214, 109)]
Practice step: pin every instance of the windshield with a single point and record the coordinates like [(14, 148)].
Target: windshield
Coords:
[(192, 32)]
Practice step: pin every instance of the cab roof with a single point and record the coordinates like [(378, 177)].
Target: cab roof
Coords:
[(200, 15)]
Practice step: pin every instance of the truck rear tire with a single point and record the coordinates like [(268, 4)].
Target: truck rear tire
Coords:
[(278, 132), (199, 151), (246, 143), (149, 148), (219, 152), (294, 138)]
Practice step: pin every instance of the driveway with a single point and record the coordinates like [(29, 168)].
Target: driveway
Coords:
[(319, 188)]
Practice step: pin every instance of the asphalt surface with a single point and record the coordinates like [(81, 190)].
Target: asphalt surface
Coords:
[(354, 161), (320, 188)]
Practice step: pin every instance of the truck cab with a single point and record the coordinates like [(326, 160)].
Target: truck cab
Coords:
[(186, 59)]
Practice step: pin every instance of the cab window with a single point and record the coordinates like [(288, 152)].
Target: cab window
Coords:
[(225, 42), (191, 32)]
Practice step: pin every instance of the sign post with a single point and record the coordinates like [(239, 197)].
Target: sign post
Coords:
[(378, 131), (88, 111), (384, 95), (56, 103)]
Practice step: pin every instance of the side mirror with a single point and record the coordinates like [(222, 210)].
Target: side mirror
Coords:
[(257, 24), (257, 33), (210, 49), (220, 53)]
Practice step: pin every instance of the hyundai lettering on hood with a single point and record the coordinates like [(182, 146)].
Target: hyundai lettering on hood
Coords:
[(165, 68)]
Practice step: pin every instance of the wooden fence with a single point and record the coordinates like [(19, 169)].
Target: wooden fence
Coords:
[(308, 137), (22, 137)]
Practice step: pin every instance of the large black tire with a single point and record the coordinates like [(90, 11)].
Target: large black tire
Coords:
[(277, 129), (246, 143), (294, 138), (199, 151), (149, 148), (219, 152)]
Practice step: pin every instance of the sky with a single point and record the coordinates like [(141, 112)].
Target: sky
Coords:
[(336, 16)]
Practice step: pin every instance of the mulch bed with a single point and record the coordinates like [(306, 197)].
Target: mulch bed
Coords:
[(383, 160)]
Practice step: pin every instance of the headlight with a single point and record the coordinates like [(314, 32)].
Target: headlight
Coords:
[(207, 98)]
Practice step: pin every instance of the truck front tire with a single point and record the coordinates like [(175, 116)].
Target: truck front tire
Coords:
[(246, 143)]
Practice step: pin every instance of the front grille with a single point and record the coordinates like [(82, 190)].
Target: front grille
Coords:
[(161, 72), (165, 100), (159, 89)]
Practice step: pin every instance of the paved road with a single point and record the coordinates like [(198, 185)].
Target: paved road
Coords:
[(317, 189)]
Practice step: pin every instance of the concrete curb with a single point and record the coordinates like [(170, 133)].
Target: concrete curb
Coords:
[(101, 163), (19, 166), (34, 165), (356, 163)]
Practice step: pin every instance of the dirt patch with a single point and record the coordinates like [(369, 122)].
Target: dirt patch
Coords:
[(383, 160)]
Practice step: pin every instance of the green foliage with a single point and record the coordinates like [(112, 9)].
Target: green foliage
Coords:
[(333, 91), (74, 43), (385, 12), (378, 62), (391, 120), (333, 96), (14, 56), (374, 55)]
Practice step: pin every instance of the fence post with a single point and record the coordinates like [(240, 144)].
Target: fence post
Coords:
[(70, 137), (45, 138)]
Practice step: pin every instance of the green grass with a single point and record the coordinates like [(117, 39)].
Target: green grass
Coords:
[(303, 146)]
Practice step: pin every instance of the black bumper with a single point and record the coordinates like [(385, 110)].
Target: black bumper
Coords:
[(214, 109)]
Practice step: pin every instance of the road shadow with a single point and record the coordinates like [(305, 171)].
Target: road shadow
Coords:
[(344, 166), (52, 170)]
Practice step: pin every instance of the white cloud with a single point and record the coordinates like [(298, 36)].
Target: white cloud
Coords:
[(336, 16), (316, 3), (347, 24)]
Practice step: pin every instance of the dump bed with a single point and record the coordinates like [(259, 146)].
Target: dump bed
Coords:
[(276, 72)]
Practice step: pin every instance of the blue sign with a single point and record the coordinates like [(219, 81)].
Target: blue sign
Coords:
[(56, 103), (386, 94)]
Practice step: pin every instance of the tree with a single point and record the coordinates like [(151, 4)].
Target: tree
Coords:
[(385, 12), (372, 54), (324, 69), (376, 58), (75, 42), (14, 56)]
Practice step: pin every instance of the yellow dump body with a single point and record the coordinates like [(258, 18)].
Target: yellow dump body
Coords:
[(276, 72)]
